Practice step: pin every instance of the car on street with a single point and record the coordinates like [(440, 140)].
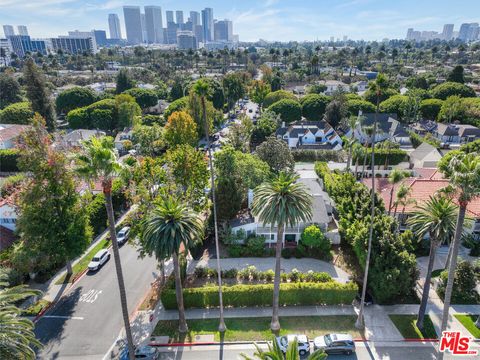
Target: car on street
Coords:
[(144, 352), (302, 340), (99, 260), (250, 110), (335, 344), (122, 235)]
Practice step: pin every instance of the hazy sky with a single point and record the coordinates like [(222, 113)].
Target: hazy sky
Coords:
[(269, 19)]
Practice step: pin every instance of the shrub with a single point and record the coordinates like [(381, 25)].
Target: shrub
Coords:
[(321, 277), (463, 284), (430, 108), (294, 275), (200, 272), (318, 155), (8, 160), (447, 89), (255, 246), (278, 95), (230, 273), (269, 275), (283, 276), (329, 293), (17, 113), (235, 250), (314, 243), (395, 156), (212, 273), (321, 169), (287, 253), (244, 274), (355, 105), (417, 140), (10, 184)]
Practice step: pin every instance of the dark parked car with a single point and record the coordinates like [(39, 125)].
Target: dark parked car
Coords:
[(335, 344)]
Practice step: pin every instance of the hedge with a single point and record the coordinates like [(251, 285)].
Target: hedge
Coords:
[(395, 156), (318, 155), (328, 293), (8, 160)]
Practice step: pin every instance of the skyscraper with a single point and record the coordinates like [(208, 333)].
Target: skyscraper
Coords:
[(207, 23), (195, 18), (8, 30), (169, 16), (463, 32), (154, 25), (133, 24), (223, 30), (100, 37), (179, 17), (186, 40), (22, 30), (447, 32), (144, 27), (114, 26)]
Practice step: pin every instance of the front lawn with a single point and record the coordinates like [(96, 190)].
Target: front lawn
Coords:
[(258, 329), (406, 324), (469, 322)]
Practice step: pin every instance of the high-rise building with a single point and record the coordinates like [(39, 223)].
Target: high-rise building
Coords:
[(186, 40), (154, 25), (22, 30), (114, 26), (409, 34), (447, 32), (463, 32), (6, 48), (73, 45), (21, 44), (223, 30), (195, 18), (144, 27), (198, 31), (207, 23), (100, 37), (8, 30), (84, 35), (473, 32), (179, 17), (171, 33), (133, 24), (169, 14)]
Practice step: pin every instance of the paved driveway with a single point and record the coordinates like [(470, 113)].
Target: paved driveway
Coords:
[(263, 264)]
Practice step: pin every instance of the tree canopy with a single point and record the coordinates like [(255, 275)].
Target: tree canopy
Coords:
[(289, 110), (75, 97)]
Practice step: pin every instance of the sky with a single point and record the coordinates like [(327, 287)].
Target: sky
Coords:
[(282, 20)]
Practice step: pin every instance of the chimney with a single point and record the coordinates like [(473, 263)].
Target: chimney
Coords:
[(283, 124), (250, 198)]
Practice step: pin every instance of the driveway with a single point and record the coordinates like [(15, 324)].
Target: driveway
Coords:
[(263, 264)]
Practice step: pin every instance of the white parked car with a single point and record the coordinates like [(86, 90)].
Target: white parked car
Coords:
[(302, 340), (122, 235), (99, 259), (335, 344)]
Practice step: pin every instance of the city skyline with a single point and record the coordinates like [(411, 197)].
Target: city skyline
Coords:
[(271, 20)]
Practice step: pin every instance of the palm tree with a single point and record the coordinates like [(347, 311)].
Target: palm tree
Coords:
[(283, 202), (402, 197), (352, 122), (201, 89), (171, 227), (464, 174), (368, 131), (357, 153), (378, 86), (275, 353), (98, 161), (436, 217), (394, 178), (17, 338)]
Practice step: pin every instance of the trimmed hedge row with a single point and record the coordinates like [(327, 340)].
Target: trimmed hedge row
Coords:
[(328, 293), (318, 155), (8, 160), (395, 156)]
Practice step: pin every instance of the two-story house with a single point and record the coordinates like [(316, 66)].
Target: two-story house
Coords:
[(456, 133), (310, 135), (388, 128)]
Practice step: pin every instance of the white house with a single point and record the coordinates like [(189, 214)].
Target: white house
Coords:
[(75, 138), (334, 85), (121, 137), (310, 135), (9, 134), (8, 214)]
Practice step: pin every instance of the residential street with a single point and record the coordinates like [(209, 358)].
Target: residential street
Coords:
[(88, 319)]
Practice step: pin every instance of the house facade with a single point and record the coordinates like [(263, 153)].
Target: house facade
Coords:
[(456, 133), (388, 128), (311, 135)]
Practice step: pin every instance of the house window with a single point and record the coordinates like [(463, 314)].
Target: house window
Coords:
[(290, 237), (319, 139), (272, 236)]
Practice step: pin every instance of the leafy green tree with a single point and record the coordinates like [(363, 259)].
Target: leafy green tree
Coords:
[(233, 88), (417, 82), (430, 108), (38, 93), (276, 153), (336, 111), (278, 95), (18, 113), (170, 227), (150, 139), (435, 218), (216, 94), (447, 89), (124, 81), (315, 241), (456, 75), (266, 125), (74, 98), (53, 225), (195, 109), (177, 105), (144, 98), (316, 89), (452, 109), (240, 134), (98, 162), (127, 111), (355, 105), (177, 90), (313, 106), (281, 202), (10, 91), (181, 129), (288, 109), (394, 104), (161, 89), (17, 339), (464, 284), (259, 90)]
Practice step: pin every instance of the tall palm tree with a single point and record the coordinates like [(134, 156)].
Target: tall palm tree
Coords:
[(352, 123), (436, 217), (378, 86), (368, 131), (17, 338), (275, 353), (394, 178), (201, 89), (357, 153), (171, 226), (464, 174), (98, 161), (282, 202)]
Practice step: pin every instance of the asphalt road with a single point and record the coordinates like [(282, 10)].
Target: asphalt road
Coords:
[(364, 352), (88, 319)]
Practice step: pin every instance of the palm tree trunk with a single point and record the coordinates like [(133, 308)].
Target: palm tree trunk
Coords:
[(395, 210), (391, 200), (349, 158), (356, 168), (107, 190), (69, 268), (221, 326), (365, 161), (451, 269), (426, 286), (162, 273), (275, 325), (182, 323)]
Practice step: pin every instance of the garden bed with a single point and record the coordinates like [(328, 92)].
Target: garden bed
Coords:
[(258, 329)]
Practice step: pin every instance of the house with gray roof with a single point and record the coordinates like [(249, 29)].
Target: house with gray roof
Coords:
[(314, 135), (425, 156), (388, 128), (456, 133)]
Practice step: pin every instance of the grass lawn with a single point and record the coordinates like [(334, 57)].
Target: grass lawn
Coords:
[(34, 309), (469, 322), (83, 263), (257, 329), (406, 325)]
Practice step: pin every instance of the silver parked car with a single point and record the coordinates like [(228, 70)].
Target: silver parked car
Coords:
[(302, 340), (335, 344)]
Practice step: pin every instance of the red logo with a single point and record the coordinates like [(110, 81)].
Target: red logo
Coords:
[(456, 344)]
